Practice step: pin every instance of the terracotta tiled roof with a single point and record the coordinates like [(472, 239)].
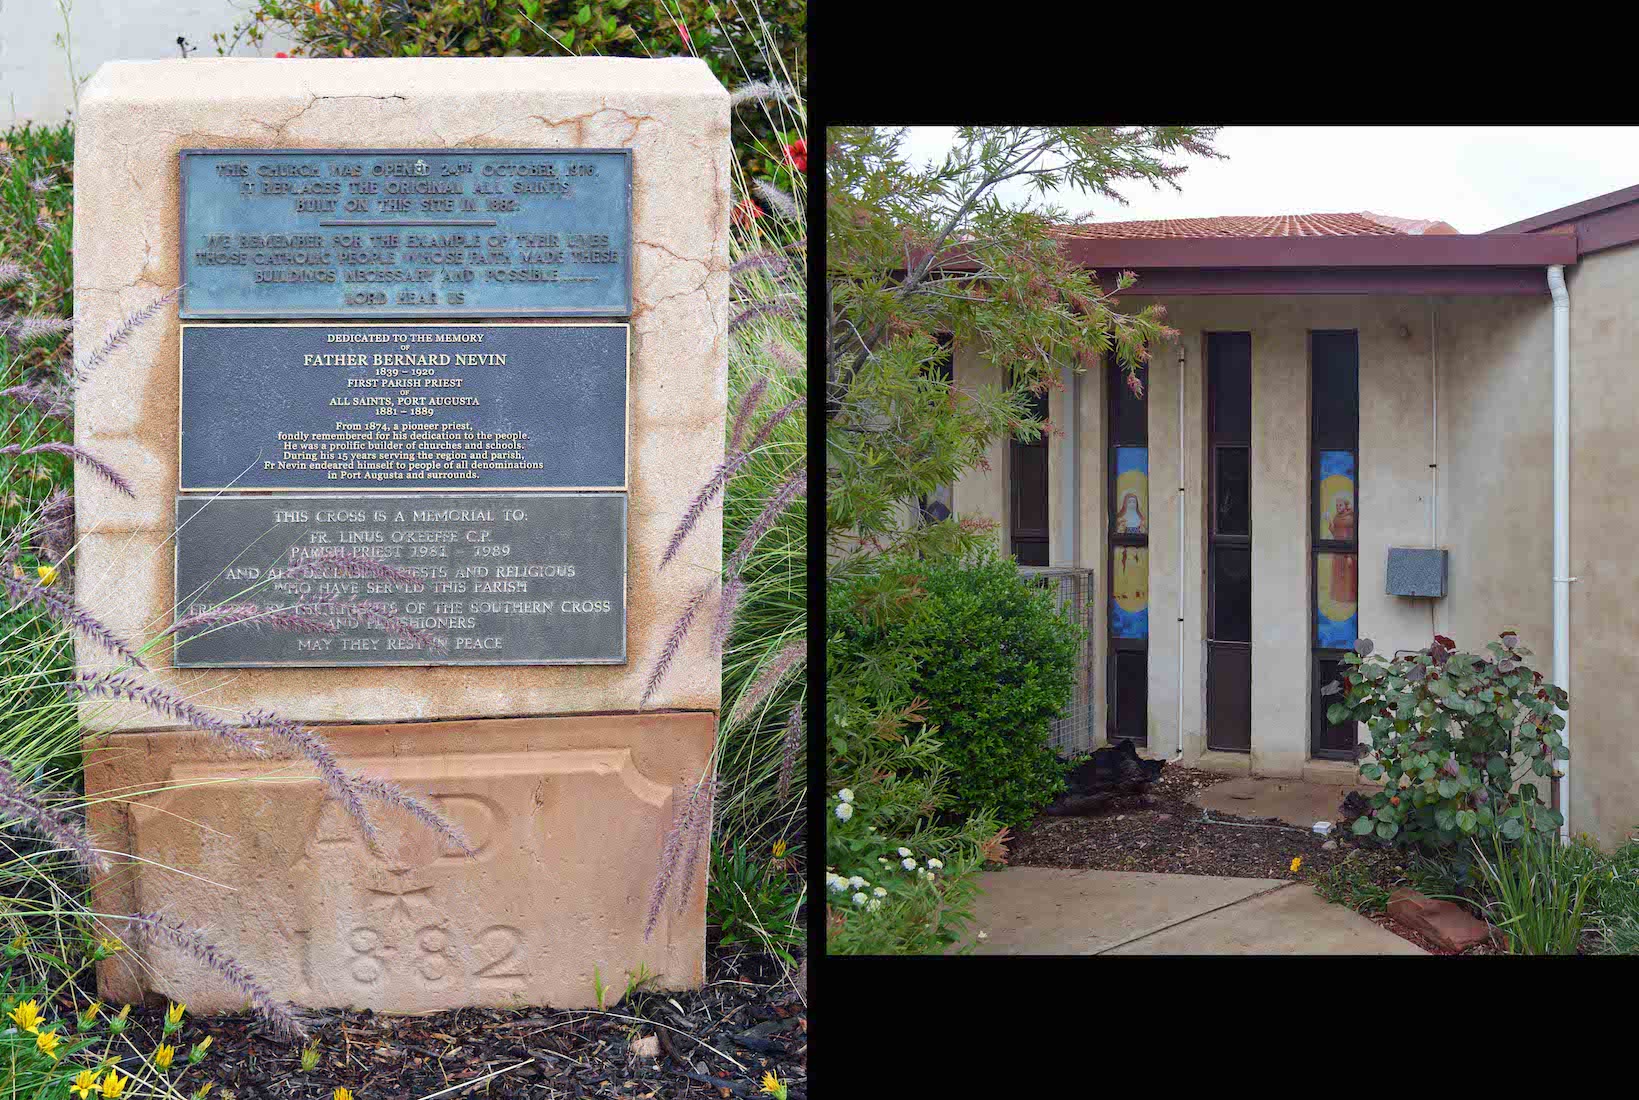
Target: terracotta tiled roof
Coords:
[(1275, 225)]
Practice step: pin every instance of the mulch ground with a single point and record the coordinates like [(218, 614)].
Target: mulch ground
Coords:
[(1166, 833), (749, 1019)]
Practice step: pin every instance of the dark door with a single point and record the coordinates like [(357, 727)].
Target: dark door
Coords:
[(1027, 492), (1127, 491), (1334, 389), (1229, 542)]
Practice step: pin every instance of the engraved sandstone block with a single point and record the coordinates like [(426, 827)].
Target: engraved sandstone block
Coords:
[(567, 815)]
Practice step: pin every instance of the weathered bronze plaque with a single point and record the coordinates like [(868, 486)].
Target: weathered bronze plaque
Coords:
[(423, 407), (463, 579), (406, 233)]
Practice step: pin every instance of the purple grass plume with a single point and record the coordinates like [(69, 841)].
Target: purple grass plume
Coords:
[(774, 420), (122, 685), (54, 530), (30, 329), (350, 563), (771, 262), (20, 802), (152, 928), (783, 354), (120, 333), (733, 588), (674, 642), (748, 405), (702, 499), (86, 458), (376, 616), (691, 819), (313, 749), (789, 744), (694, 838), (43, 400), (10, 273), (792, 656), (761, 309), (776, 199), (66, 611), (793, 487), (274, 618), (391, 794)]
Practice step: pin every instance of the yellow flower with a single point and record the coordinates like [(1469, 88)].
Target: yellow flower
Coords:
[(113, 1085), (47, 1042), (1297, 861), (85, 1083), (341, 1094), (48, 573), (773, 1086), (27, 1016), (197, 1054), (200, 1092), (173, 1017), (163, 1055), (112, 945), (20, 942), (91, 1011), (779, 849)]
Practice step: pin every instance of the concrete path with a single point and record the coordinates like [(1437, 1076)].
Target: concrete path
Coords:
[(1061, 911)]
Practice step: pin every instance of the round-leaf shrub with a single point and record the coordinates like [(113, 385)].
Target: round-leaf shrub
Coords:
[(1452, 736), (997, 665)]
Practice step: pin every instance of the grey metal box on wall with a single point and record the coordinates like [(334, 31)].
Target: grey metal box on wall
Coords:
[(1417, 571)]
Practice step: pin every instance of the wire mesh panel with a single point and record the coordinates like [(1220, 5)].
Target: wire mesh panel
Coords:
[(1073, 594)]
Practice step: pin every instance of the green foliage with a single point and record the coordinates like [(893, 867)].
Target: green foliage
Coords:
[(729, 36), (1539, 890), (36, 222), (1003, 282), (1452, 734), (1355, 884), (753, 901), (995, 664), (887, 897)]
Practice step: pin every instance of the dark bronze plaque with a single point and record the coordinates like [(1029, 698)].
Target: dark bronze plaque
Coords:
[(424, 407), (406, 233), (496, 579)]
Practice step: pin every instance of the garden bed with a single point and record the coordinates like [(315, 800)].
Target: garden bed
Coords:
[(1166, 833), (718, 1041)]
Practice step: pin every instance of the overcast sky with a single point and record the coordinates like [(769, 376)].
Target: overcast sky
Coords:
[(1474, 177)]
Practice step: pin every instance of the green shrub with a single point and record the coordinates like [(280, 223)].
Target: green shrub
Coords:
[(1452, 735), (996, 664)]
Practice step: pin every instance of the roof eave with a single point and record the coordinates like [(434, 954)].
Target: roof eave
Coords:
[(1480, 250)]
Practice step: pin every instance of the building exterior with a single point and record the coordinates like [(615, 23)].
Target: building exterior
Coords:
[(1344, 385)]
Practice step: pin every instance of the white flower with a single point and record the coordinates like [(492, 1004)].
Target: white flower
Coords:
[(908, 864), (882, 860), (880, 892), (860, 899), (936, 864), (835, 882), (856, 882), (904, 851), (921, 872), (984, 935), (846, 795), (873, 905), (845, 810)]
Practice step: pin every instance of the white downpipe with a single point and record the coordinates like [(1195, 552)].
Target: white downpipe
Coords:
[(1434, 423), (1070, 487), (1562, 519), (1182, 573)]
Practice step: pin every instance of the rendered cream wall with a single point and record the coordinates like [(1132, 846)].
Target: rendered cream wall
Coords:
[(1495, 484)]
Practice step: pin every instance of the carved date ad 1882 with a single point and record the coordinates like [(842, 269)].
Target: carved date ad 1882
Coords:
[(461, 579), (403, 407), (406, 232)]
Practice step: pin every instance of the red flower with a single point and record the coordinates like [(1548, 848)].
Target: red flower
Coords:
[(745, 212), (796, 154), (281, 53), (684, 31)]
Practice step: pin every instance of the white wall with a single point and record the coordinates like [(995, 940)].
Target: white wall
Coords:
[(35, 82)]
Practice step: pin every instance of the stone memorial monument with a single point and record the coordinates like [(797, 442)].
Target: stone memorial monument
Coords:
[(467, 319)]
